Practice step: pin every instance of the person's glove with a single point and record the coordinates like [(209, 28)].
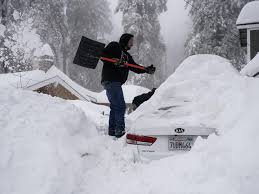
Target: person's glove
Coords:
[(150, 69), (119, 63)]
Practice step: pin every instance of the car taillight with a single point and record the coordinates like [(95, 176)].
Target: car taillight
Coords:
[(140, 140)]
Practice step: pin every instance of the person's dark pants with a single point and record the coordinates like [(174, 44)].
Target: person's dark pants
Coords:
[(118, 107)]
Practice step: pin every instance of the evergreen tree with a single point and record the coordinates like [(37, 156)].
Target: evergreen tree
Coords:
[(19, 40), (140, 17), (214, 29)]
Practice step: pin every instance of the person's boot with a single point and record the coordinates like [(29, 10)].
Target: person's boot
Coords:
[(120, 133)]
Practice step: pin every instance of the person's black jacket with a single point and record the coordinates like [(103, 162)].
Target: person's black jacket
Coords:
[(111, 72)]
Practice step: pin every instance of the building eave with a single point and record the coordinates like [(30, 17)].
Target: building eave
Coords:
[(59, 80), (248, 25)]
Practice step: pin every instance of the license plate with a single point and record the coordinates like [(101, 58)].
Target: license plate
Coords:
[(180, 143)]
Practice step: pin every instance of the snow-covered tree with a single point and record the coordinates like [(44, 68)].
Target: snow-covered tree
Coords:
[(61, 24), (214, 29), (140, 17), (19, 41)]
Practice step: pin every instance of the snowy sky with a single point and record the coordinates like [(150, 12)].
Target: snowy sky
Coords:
[(174, 28)]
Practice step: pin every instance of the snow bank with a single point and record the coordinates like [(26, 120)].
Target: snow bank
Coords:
[(249, 13), (41, 142), (21, 79), (228, 163), (200, 91), (99, 114)]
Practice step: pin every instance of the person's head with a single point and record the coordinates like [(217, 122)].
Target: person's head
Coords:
[(126, 41)]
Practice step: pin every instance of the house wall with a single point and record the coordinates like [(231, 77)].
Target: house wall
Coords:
[(58, 91)]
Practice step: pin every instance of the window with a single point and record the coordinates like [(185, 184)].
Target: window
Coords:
[(243, 37), (254, 43)]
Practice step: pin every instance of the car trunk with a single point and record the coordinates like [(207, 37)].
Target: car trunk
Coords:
[(175, 130)]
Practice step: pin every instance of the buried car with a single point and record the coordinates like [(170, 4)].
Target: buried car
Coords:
[(158, 141), (186, 106)]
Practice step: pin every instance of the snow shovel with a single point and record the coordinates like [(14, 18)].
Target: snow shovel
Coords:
[(89, 52)]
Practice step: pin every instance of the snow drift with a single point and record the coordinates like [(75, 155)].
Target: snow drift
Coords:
[(41, 142), (228, 163), (202, 90), (42, 139)]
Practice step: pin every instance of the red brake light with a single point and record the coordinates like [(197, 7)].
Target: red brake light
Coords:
[(140, 140)]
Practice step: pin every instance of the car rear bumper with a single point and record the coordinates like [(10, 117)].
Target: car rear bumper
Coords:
[(139, 153)]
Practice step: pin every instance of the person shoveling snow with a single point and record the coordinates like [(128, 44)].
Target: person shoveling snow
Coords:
[(116, 65), (114, 75)]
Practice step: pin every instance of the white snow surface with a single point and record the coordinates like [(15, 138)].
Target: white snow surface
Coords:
[(252, 67), (21, 79), (200, 92), (249, 13), (42, 139)]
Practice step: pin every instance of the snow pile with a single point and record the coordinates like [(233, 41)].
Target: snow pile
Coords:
[(42, 139), (228, 163), (252, 68), (99, 114), (21, 79), (249, 14), (198, 94), (41, 142)]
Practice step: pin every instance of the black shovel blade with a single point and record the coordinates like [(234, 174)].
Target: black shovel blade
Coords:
[(88, 53)]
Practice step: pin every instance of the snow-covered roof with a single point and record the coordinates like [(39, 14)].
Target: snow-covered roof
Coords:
[(249, 14), (55, 75), (35, 79), (252, 68), (129, 91)]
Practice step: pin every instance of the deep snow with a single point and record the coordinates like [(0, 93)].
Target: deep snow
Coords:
[(43, 138)]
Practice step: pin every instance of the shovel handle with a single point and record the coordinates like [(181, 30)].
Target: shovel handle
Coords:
[(126, 64)]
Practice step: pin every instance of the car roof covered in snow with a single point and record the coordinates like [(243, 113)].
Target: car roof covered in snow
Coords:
[(192, 96), (249, 14)]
